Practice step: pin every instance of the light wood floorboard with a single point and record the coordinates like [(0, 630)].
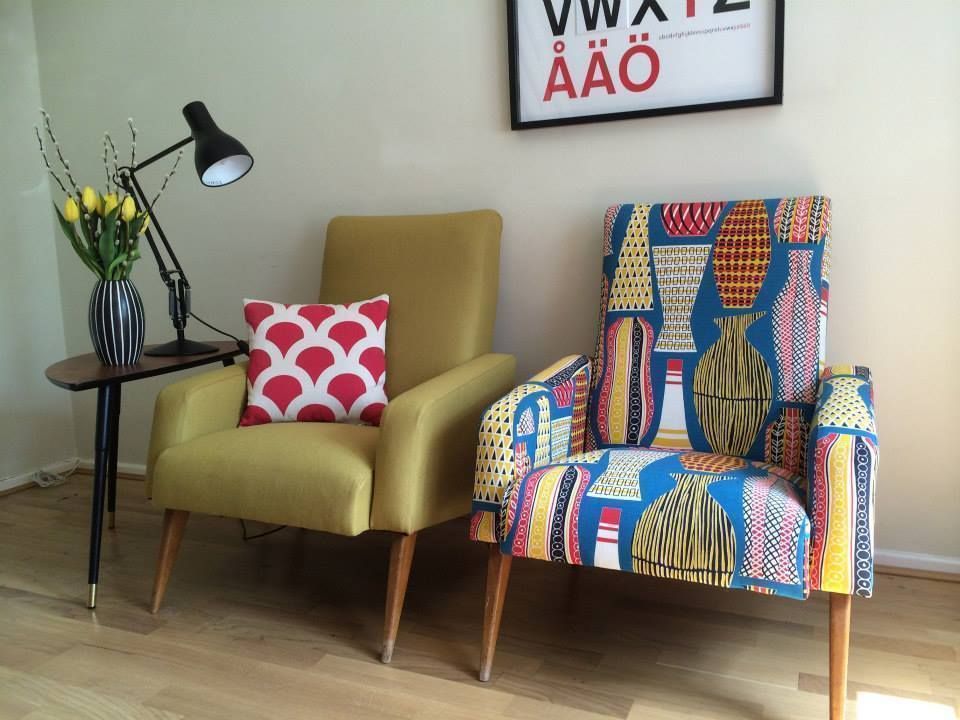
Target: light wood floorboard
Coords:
[(289, 626)]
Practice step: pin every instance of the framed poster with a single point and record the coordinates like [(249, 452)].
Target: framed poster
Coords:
[(575, 61)]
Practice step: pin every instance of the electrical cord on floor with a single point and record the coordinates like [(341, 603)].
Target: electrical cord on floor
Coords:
[(271, 531), (45, 477), (242, 344)]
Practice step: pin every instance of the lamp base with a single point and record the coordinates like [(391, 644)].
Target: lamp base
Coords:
[(181, 346)]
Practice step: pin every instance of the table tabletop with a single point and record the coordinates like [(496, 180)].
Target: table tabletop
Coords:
[(83, 372)]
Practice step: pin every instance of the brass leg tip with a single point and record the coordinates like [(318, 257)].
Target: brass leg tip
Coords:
[(92, 596), (386, 655), (111, 520)]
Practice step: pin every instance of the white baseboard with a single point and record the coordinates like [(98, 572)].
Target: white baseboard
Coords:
[(139, 469), (14, 482), (918, 561)]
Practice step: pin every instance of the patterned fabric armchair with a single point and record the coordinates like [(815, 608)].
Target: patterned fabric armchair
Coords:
[(704, 441)]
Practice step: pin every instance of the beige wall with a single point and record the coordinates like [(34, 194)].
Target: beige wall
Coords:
[(388, 107), (36, 421)]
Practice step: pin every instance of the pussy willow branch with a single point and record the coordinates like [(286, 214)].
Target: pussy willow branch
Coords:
[(56, 145), (166, 179), (116, 158), (133, 143), (43, 154), (106, 162)]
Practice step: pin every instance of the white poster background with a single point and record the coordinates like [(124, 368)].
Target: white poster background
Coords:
[(709, 58)]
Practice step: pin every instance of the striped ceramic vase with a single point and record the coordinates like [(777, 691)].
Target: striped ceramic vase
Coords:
[(116, 322)]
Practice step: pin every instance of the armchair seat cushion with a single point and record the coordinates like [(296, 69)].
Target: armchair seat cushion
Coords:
[(312, 475), (693, 516)]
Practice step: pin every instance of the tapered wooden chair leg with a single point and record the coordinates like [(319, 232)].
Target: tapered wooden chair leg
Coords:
[(401, 557), (840, 606), (174, 523), (498, 573)]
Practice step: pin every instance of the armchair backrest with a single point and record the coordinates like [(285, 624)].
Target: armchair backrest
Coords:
[(442, 274), (712, 327)]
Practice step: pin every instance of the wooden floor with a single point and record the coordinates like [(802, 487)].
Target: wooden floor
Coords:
[(289, 626)]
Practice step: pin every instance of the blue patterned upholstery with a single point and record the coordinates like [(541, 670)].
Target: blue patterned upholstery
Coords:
[(699, 443), (676, 512)]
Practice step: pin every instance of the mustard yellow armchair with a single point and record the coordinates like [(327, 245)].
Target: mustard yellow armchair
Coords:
[(416, 469)]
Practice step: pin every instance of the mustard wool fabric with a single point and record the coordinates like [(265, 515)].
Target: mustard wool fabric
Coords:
[(426, 432), (441, 273), (313, 475), (194, 407)]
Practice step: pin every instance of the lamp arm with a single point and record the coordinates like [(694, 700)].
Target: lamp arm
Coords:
[(137, 191), (129, 174), (163, 153), (132, 187), (178, 287)]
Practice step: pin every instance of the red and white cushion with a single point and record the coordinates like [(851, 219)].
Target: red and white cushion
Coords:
[(316, 363)]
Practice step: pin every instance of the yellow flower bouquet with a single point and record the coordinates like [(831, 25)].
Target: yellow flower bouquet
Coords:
[(103, 228)]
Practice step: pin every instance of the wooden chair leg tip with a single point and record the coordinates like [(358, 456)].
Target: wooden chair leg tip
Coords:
[(498, 573), (174, 523), (386, 655), (401, 556)]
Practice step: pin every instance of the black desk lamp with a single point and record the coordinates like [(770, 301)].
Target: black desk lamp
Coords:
[(220, 160)]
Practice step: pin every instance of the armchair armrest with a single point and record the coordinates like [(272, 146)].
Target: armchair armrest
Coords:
[(193, 407), (426, 447), (842, 457), (540, 422)]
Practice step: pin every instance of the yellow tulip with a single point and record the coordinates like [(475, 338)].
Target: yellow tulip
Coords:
[(146, 222), (89, 199), (71, 211), (128, 209), (109, 203)]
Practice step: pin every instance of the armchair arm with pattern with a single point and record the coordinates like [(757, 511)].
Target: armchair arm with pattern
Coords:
[(843, 454), (538, 422)]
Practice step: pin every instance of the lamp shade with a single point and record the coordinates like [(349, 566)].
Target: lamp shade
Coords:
[(220, 158)]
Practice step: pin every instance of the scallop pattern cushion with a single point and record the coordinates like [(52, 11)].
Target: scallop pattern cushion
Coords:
[(316, 363)]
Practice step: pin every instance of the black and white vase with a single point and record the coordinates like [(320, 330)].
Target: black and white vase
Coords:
[(116, 322)]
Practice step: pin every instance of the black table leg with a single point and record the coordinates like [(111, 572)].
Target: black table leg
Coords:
[(112, 471), (107, 396)]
